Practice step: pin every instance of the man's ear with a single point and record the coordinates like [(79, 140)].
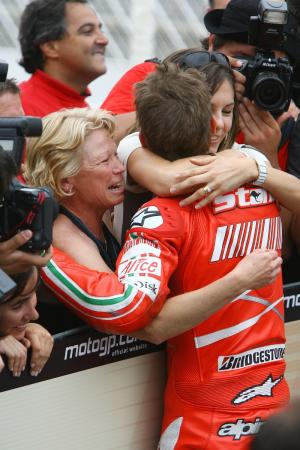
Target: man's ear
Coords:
[(50, 49), (213, 125), (211, 40)]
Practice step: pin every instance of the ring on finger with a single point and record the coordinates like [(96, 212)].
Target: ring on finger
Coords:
[(207, 190)]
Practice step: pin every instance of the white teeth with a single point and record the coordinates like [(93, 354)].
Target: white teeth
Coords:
[(115, 186)]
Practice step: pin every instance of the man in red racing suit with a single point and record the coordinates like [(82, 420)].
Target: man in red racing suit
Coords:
[(226, 376)]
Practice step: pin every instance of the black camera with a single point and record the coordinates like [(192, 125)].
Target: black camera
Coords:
[(269, 79), (7, 287), (23, 207), (13, 131)]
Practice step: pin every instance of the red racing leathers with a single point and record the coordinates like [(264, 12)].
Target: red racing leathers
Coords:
[(226, 374)]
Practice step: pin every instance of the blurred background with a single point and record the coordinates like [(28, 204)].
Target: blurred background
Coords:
[(137, 30)]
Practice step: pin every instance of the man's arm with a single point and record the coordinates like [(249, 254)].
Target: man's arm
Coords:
[(185, 311), (107, 301)]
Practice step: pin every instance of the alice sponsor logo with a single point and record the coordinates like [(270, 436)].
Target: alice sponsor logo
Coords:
[(240, 428), (254, 357), (150, 265)]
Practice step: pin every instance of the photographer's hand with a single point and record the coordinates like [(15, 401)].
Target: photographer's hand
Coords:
[(13, 260), (239, 79), (260, 130), (41, 343)]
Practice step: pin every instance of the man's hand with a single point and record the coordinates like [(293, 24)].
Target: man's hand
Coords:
[(258, 269), (228, 170), (13, 260), (41, 343), (16, 354), (260, 130)]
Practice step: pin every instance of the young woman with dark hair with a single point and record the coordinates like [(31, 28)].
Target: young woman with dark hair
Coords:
[(17, 333)]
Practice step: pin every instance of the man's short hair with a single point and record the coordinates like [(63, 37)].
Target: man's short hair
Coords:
[(173, 111), (9, 86), (42, 21)]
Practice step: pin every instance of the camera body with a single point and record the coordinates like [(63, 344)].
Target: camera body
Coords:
[(23, 208), (269, 80), (13, 131)]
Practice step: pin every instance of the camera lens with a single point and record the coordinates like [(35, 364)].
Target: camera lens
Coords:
[(269, 91)]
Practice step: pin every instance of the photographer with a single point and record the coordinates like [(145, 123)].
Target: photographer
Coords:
[(229, 29), (12, 259), (278, 139)]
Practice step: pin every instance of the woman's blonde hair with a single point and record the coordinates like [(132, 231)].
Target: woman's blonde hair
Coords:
[(57, 153)]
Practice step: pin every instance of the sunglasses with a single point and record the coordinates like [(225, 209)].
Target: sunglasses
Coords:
[(198, 59)]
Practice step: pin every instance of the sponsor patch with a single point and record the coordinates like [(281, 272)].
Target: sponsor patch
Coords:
[(260, 390), (141, 270), (148, 265), (244, 197), (139, 246), (148, 285), (148, 217), (253, 357), (240, 428)]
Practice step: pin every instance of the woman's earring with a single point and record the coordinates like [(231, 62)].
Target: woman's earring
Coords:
[(69, 190)]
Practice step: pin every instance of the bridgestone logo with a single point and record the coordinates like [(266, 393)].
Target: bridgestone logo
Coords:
[(254, 357)]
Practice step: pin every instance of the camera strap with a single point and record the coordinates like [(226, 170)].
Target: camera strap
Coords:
[(35, 208), (29, 218), (109, 249), (286, 131)]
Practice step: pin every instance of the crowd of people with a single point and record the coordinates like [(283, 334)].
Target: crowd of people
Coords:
[(179, 199)]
